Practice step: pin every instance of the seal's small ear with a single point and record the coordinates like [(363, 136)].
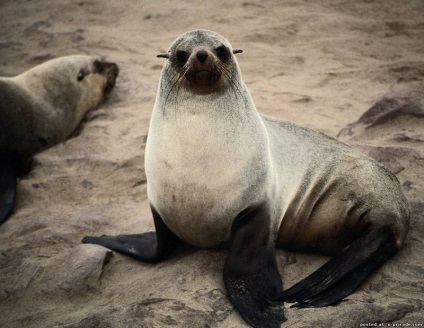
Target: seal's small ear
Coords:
[(237, 51), (165, 55)]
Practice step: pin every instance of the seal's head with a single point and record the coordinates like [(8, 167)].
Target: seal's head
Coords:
[(202, 61), (86, 70), (79, 82)]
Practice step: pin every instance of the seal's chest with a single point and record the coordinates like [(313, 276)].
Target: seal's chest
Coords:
[(196, 165), (196, 178), (196, 147), (196, 196)]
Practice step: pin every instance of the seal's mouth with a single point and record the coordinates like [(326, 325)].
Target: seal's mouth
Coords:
[(111, 71), (203, 78)]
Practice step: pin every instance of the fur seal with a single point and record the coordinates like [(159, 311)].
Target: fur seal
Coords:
[(41, 108), (221, 174)]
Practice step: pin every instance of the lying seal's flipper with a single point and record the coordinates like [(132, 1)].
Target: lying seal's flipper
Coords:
[(341, 275), (147, 247), (250, 273), (7, 189)]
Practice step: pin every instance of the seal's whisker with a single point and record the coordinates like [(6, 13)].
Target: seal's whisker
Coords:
[(175, 80), (229, 76)]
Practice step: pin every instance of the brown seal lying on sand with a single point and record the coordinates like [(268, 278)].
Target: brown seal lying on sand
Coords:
[(43, 107)]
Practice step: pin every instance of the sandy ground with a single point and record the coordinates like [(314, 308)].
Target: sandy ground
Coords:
[(319, 63)]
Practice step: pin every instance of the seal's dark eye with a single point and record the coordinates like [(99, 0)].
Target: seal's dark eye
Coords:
[(182, 57), (81, 75), (222, 52)]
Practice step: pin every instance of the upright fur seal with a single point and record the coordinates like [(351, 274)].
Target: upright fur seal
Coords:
[(42, 107), (220, 174)]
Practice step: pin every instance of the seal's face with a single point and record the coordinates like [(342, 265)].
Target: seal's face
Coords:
[(90, 80), (90, 77), (203, 67), (108, 71), (202, 61)]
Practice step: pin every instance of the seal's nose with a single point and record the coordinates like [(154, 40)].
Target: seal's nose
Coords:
[(202, 55)]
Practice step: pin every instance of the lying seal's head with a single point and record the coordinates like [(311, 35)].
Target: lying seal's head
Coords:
[(76, 82), (109, 71), (202, 61), (72, 84)]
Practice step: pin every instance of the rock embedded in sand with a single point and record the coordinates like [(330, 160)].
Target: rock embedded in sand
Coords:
[(76, 271)]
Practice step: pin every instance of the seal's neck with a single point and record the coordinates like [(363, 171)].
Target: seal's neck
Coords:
[(230, 103)]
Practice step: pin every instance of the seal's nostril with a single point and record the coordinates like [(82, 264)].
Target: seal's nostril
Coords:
[(202, 55)]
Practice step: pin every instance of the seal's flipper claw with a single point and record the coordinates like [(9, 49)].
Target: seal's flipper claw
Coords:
[(344, 273), (7, 190), (250, 273), (147, 247)]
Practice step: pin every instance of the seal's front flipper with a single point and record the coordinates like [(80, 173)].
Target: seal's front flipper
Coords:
[(148, 247), (7, 190), (340, 276), (250, 273)]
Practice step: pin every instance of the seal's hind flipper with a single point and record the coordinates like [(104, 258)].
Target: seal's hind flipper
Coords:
[(148, 247), (341, 275), (7, 190), (250, 273)]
